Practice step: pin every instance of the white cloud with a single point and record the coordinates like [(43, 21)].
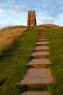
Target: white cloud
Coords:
[(4, 14), (17, 21), (39, 22), (7, 23), (1, 11), (58, 22), (4, 23), (0, 14), (25, 24), (47, 16)]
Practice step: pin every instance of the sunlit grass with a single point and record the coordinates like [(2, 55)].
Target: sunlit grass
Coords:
[(13, 63), (8, 35), (14, 59)]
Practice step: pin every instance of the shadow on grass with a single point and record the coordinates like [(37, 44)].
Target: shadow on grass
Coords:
[(2, 81)]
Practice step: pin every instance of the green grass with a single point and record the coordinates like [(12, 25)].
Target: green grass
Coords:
[(13, 63), (55, 36)]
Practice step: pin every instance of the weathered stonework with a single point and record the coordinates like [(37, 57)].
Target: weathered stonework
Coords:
[(31, 19)]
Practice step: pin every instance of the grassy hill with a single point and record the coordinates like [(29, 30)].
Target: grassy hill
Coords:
[(13, 60), (8, 35), (15, 55), (55, 36)]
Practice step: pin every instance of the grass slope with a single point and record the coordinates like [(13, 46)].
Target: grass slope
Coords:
[(8, 35), (13, 63), (55, 36)]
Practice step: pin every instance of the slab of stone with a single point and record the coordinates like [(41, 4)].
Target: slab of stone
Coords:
[(35, 93), (42, 54), (39, 63), (43, 43), (42, 36), (42, 33), (43, 39), (36, 77), (42, 48)]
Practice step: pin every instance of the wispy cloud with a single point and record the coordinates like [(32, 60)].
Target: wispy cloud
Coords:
[(4, 23), (4, 14), (1, 11), (47, 11), (49, 6)]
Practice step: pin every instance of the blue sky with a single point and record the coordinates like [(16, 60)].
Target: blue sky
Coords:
[(14, 12)]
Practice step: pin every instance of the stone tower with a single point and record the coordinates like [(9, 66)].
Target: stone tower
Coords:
[(31, 19)]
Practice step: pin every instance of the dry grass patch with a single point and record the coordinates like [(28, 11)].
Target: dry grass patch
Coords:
[(8, 35)]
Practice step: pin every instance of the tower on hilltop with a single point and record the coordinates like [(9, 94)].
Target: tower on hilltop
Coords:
[(31, 18)]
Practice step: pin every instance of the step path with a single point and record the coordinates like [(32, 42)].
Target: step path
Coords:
[(36, 93), (42, 54), (43, 37), (40, 40), (42, 48), (36, 77), (43, 43), (39, 63), (39, 75)]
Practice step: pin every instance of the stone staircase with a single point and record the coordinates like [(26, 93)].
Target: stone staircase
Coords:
[(42, 48), (35, 93), (43, 43), (39, 63), (38, 75)]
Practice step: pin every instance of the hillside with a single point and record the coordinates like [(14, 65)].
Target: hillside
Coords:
[(55, 37), (13, 61), (8, 35), (18, 43), (49, 26)]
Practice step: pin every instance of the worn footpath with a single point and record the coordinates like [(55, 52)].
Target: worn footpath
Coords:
[(38, 74)]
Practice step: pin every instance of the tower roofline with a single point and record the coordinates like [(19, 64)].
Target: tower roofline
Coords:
[(31, 10)]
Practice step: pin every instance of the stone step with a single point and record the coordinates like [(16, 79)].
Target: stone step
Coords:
[(37, 77), (39, 63), (42, 48), (42, 43), (35, 93), (44, 37), (42, 54), (40, 40), (42, 33)]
